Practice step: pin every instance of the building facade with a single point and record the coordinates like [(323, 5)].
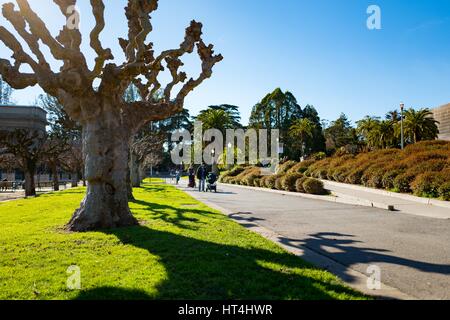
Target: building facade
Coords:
[(442, 114), (20, 117)]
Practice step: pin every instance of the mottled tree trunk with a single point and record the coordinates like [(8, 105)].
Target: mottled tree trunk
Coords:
[(74, 180), (135, 171), (106, 146), (30, 187), (55, 177), (129, 187)]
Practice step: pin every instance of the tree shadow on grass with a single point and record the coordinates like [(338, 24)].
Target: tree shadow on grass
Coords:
[(180, 217), (198, 269)]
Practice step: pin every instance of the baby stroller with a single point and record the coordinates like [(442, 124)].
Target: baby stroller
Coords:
[(211, 182)]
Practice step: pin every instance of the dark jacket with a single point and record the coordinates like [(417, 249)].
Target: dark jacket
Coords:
[(202, 172)]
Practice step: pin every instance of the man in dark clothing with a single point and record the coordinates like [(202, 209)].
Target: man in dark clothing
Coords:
[(202, 173)]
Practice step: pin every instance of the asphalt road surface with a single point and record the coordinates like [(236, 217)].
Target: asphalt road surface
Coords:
[(412, 252)]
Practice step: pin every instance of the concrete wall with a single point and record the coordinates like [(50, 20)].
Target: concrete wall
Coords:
[(19, 117), (442, 114)]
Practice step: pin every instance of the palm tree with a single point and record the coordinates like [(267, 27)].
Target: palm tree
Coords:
[(386, 134), (368, 130), (393, 116), (302, 129), (216, 119), (419, 125)]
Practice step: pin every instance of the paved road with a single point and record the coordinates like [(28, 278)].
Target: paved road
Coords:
[(413, 252)]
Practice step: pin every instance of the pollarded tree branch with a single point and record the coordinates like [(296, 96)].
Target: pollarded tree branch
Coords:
[(141, 112), (10, 73), (139, 27), (151, 110), (98, 10), (172, 57), (208, 59), (19, 24), (38, 28), (69, 37), (16, 79)]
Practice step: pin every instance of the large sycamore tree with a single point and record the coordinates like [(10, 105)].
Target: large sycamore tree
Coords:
[(108, 121)]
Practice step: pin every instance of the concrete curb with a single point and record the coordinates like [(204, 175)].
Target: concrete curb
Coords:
[(408, 197), (350, 277), (338, 198)]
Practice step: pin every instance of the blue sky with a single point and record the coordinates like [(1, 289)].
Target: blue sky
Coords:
[(320, 50)]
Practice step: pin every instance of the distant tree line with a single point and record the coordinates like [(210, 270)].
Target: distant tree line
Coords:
[(302, 134)]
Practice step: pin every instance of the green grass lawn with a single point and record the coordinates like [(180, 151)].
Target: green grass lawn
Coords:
[(181, 250)]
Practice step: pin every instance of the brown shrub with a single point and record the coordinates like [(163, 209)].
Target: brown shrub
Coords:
[(314, 186), (301, 167), (428, 166), (270, 181), (427, 184), (250, 179), (403, 181), (388, 178), (285, 167), (299, 184), (444, 191), (289, 180), (279, 183)]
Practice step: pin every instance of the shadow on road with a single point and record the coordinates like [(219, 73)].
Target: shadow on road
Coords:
[(342, 251)]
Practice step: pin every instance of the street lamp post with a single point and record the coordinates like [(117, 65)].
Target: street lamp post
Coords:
[(214, 164), (402, 107)]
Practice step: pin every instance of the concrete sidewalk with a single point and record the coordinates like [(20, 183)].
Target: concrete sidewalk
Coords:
[(401, 203)]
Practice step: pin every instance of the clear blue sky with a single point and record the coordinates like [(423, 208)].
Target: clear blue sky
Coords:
[(320, 50)]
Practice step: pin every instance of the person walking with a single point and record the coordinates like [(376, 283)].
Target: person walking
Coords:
[(191, 177), (202, 173), (177, 176)]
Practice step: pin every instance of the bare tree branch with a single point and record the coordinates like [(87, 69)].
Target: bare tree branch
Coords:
[(98, 10), (208, 58), (16, 79), (19, 23)]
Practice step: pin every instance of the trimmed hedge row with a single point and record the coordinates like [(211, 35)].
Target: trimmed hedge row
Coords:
[(288, 178), (422, 169)]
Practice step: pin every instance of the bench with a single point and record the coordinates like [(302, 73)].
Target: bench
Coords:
[(9, 186)]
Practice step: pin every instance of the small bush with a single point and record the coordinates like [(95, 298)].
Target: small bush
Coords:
[(388, 178), (289, 180), (285, 167), (340, 173), (402, 182), (314, 186), (224, 176), (376, 179), (299, 184), (236, 170), (262, 182), (279, 183), (354, 177), (427, 184), (270, 181), (444, 191), (250, 179), (301, 167)]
